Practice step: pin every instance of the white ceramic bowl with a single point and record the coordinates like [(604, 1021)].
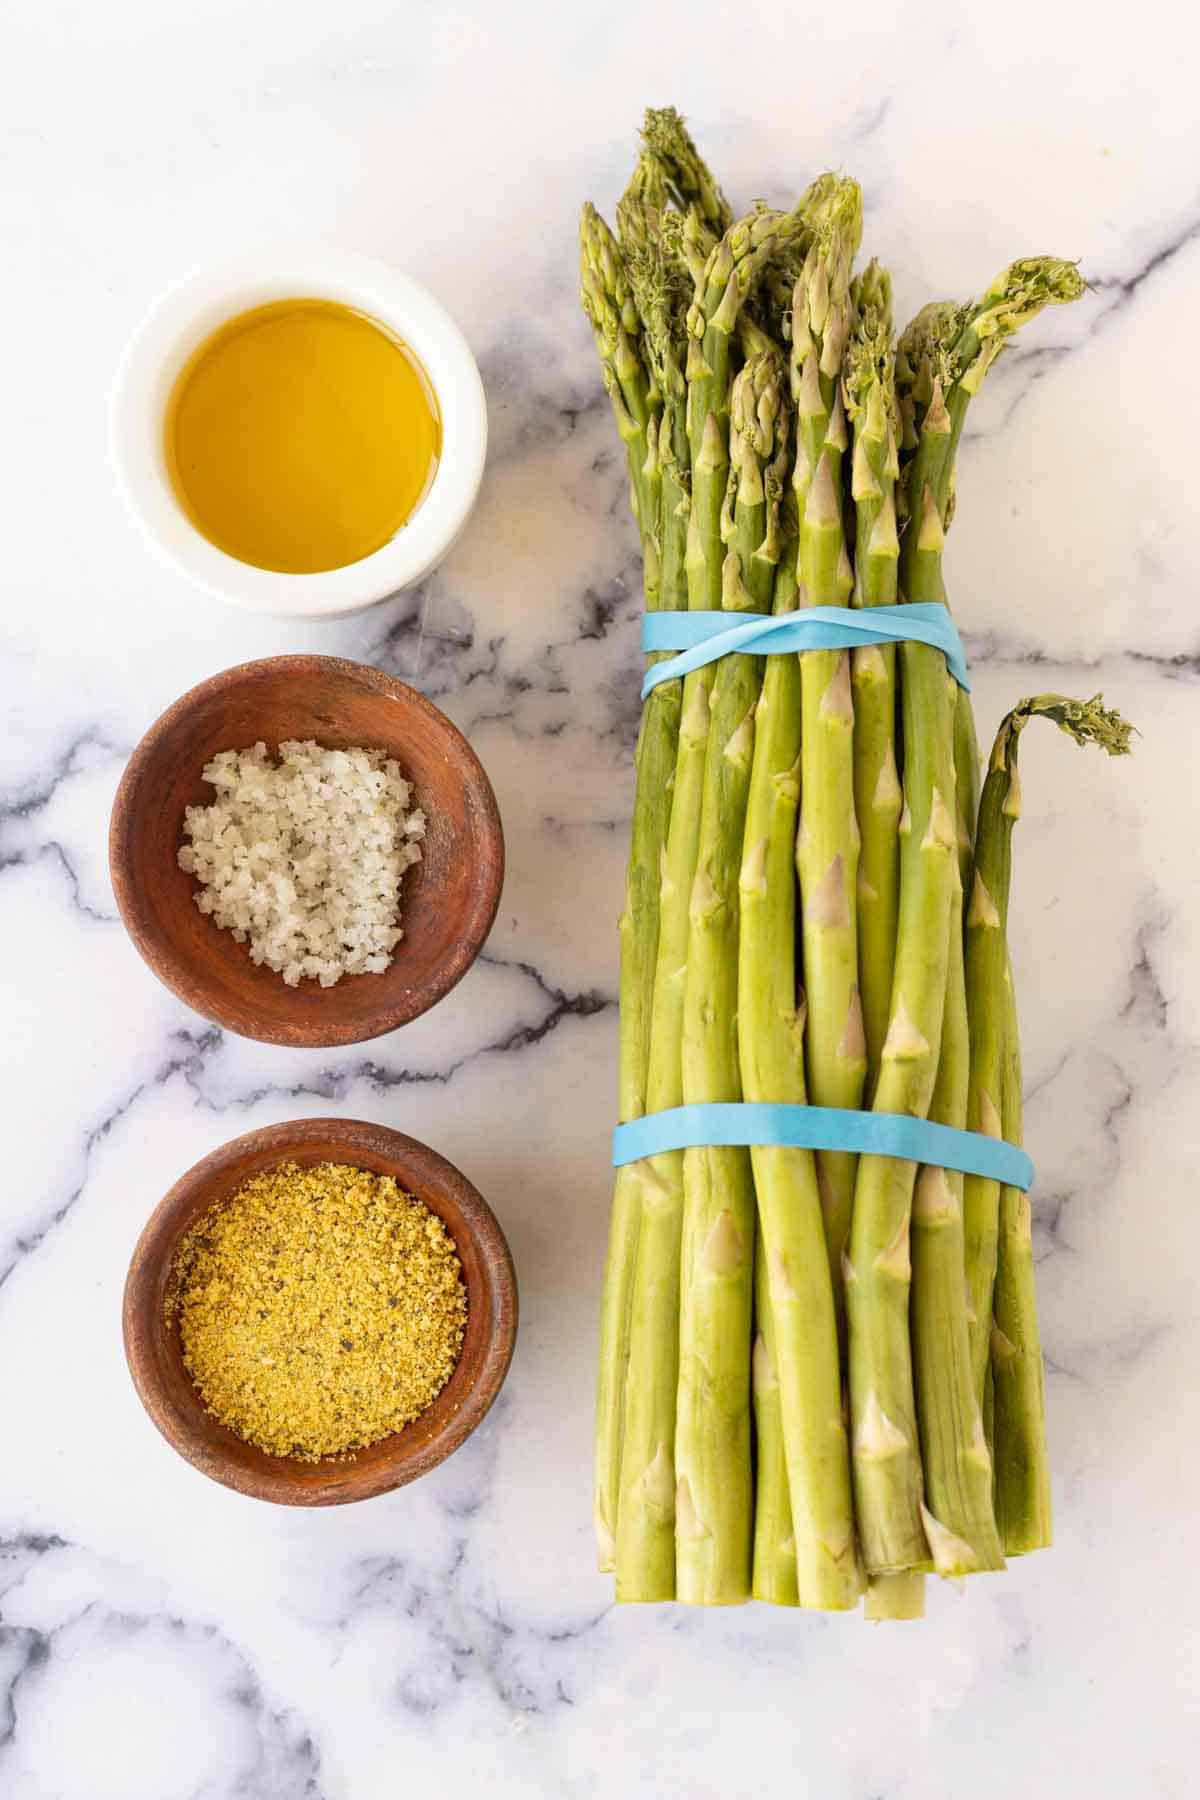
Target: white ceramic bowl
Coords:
[(190, 313)]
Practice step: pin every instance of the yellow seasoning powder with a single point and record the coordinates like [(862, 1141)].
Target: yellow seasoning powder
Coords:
[(319, 1309)]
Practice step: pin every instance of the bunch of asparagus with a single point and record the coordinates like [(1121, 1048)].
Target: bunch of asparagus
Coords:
[(820, 1375)]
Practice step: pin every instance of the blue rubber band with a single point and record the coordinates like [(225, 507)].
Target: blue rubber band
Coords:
[(703, 637), (822, 1128)]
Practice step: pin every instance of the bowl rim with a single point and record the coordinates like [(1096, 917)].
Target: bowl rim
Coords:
[(188, 1196), (485, 890), (184, 316)]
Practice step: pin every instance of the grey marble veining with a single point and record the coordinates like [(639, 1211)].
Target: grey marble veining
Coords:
[(161, 1639)]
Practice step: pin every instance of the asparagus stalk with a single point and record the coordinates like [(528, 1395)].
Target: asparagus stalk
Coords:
[(827, 841), (797, 1294), (966, 784), (638, 932), (646, 1528), (1023, 1506), (987, 981), (770, 1040), (773, 1573), (871, 407), (887, 1474), (887, 1470), (794, 1299), (959, 1519), (645, 1549), (712, 1440), (635, 399)]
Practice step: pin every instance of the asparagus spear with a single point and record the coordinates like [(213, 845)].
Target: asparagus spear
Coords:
[(794, 1297), (797, 1294), (887, 1471), (960, 1522), (712, 1439), (770, 1047), (964, 341), (871, 404), (871, 407), (959, 1518), (827, 842), (645, 1536), (987, 976), (635, 398), (608, 302), (1023, 1507)]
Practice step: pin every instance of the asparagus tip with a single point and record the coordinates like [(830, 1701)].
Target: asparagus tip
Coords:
[(1087, 721), (692, 182)]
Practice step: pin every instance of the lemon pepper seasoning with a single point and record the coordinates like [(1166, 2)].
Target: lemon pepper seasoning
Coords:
[(319, 1309)]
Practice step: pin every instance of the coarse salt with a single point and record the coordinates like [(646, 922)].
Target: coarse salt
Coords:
[(302, 858)]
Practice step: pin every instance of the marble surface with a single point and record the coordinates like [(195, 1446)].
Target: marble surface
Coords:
[(165, 1640)]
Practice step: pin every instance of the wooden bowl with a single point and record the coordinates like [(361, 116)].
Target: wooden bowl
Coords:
[(448, 900), (155, 1357)]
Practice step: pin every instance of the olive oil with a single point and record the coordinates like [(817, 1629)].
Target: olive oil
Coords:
[(301, 436)]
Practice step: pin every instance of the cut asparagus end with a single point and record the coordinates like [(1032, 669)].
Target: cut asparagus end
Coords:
[(899, 1597)]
